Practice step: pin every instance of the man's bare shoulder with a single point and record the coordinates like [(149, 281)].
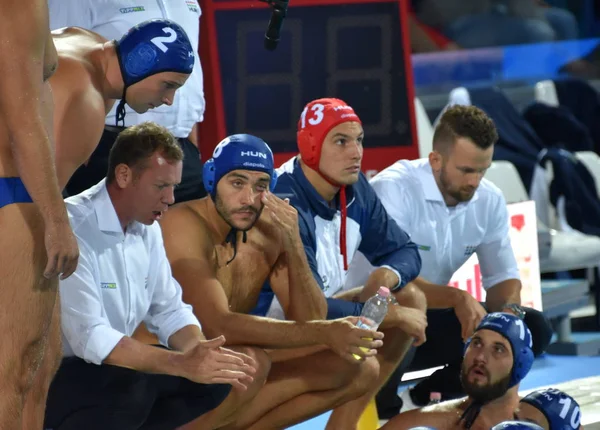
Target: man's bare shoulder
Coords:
[(79, 52), (443, 416), (187, 218), (76, 35)]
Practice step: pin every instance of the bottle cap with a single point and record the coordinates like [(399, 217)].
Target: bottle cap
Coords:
[(383, 291)]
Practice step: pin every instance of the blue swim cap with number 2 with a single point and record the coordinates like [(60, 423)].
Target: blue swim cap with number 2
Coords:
[(154, 46)]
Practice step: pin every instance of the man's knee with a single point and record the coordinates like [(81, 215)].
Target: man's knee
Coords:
[(541, 330), (364, 377), (262, 363), (411, 296)]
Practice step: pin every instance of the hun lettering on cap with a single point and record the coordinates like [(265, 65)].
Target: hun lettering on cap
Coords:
[(253, 154)]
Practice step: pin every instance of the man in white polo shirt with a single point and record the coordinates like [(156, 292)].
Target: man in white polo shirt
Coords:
[(451, 212), (112, 19), (108, 380)]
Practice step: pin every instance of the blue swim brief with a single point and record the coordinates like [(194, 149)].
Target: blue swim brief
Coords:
[(12, 190)]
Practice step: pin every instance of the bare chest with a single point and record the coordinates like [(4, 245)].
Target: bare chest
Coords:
[(243, 277)]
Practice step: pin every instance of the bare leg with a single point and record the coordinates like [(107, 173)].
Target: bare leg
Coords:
[(35, 402), (237, 399), (303, 387), (395, 346), (28, 300)]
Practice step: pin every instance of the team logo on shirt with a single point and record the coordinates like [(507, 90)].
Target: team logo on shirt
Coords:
[(470, 250), (132, 9), (325, 282), (192, 5), (108, 285)]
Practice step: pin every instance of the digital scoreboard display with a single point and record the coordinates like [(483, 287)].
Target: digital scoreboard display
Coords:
[(352, 50)]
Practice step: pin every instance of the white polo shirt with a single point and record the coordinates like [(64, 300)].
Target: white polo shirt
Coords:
[(121, 280), (113, 18), (446, 236)]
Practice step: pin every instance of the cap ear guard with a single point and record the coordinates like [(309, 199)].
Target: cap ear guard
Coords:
[(273, 182), (309, 149), (208, 176), (316, 120)]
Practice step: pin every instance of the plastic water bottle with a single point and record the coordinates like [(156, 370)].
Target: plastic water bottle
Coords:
[(435, 398), (373, 313)]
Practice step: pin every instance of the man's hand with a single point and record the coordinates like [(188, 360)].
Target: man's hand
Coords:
[(209, 363), (346, 339), (411, 321), (469, 313), (284, 216), (61, 248)]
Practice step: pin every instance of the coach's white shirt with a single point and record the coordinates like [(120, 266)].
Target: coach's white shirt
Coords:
[(112, 19), (446, 236), (121, 280)]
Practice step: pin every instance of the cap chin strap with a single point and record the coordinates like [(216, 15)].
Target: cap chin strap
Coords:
[(471, 413), (344, 212), (120, 114), (232, 238)]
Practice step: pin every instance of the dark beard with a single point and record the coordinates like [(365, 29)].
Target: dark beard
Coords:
[(456, 195), (487, 393)]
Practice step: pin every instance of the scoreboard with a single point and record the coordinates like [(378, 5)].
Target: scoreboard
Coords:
[(356, 50)]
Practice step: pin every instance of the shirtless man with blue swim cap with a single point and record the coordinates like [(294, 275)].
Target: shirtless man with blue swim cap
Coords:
[(497, 357), (223, 249), (37, 243), (144, 68)]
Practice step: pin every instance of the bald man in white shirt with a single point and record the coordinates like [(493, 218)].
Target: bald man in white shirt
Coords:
[(451, 212)]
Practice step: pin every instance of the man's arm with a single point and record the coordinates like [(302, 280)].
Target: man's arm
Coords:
[(186, 338), (506, 292), (168, 316), (385, 244), (92, 338), (190, 252), (26, 53), (439, 296), (292, 278), (88, 331), (499, 269), (380, 277)]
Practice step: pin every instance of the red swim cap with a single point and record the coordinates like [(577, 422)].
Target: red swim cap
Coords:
[(317, 119)]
